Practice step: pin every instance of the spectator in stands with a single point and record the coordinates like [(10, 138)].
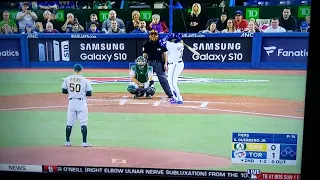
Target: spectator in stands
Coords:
[(51, 6), (274, 27), (68, 25), (39, 27), (66, 5), (222, 22), (5, 29), (25, 17), (28, 29), (8, 26), (50, 29), (93, 28), (93, 19), (308, 19), (304, 27), (76, 27), (287, 21), (195, 21), (115, 28), (47, 17), (240, 22), (256, 26), (251, 27), (156, 24), (32, 4), (106, 26), (231, 27), (211, 29), (134, 23), (142, 28)]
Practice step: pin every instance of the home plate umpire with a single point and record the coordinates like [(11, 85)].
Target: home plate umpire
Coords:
[(156, 56)]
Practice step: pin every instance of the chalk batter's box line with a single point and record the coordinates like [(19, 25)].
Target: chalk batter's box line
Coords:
[(134, 100), (163, 99), (157, 103)]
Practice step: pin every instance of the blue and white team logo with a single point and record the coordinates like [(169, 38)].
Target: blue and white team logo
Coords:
[(239, 154), (254, 173)]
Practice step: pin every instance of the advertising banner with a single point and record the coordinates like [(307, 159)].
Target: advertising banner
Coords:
[(82, 50), (10, 50), (284, 49), (218, 50)]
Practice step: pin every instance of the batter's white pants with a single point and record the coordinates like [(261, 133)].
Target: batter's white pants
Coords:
[(174, 71), (77, 109)]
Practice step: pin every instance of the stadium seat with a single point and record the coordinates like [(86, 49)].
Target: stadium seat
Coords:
[(260, 2), (276, 2), (270, 2), (299, 2)]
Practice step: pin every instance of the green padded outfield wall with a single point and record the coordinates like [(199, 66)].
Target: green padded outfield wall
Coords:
[(180, 15)]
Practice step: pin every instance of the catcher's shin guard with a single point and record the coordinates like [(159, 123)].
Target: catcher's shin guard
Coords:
[(150, 91), (132, 89)]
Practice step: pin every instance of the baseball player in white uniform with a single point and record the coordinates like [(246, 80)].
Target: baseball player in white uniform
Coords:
[(175, 63), (78, 88)]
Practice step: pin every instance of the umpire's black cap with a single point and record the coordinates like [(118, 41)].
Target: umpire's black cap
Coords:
[(77, 67)]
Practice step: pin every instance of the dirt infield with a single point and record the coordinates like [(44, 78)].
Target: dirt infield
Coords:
[(110, 157), (194, 104)]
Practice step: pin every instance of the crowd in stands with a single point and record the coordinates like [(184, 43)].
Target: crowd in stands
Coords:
[(27, 21)]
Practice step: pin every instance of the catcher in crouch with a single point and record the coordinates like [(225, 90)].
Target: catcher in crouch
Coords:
[(141, 76)]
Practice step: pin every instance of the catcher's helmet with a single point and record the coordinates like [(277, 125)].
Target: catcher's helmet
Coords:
[(77, 67), (141, 62)]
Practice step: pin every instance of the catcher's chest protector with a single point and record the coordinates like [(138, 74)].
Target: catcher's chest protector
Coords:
[(142, 74)]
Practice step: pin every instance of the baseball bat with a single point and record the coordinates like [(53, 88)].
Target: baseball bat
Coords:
[(191, 49)]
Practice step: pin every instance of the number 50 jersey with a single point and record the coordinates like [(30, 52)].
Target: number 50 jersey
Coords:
[(77, 86)]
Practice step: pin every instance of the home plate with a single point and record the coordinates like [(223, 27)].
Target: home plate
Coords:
[(119, 161)]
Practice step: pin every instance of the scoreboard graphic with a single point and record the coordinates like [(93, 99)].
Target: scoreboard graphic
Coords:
[(264, 148)]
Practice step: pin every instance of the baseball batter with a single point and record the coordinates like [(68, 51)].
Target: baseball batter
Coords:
[(175, 63), (141, 76), (78, 88)]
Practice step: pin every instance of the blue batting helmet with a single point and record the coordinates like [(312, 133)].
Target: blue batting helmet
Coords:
[(177, 37)]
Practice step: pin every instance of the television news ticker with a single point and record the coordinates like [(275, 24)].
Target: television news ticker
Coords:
[(250, 174)]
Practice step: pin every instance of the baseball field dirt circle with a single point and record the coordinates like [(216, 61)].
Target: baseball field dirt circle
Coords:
[(110, 156)]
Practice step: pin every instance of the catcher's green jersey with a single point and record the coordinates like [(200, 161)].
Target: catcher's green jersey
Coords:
[(142, 75)]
